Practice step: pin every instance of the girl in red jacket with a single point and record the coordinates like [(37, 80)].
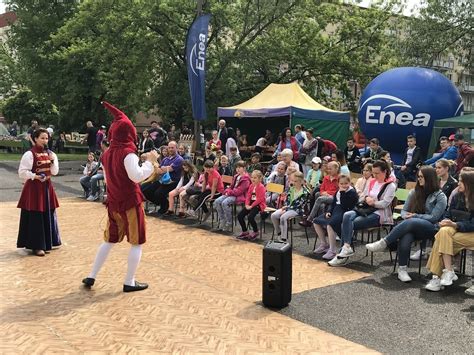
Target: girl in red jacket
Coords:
[(254, 204)]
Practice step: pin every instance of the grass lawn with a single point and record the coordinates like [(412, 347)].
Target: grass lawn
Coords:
[(61, 157)]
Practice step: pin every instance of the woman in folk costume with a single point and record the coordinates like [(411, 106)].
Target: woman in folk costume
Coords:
[(38, 225), (124, 203)]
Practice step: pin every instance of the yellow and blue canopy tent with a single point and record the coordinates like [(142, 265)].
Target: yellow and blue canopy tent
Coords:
[(290, 101)]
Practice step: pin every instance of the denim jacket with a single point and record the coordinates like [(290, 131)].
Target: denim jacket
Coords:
[(435, 206)]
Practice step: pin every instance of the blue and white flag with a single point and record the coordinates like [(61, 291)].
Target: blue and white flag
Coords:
[(196, 45)]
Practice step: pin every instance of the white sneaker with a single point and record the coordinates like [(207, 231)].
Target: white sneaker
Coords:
[(337, 261), (377, 246), (206, 216), (416, 255), (227, 228), (191, 213), (403, 274), (345, 252), (470, 291), (448, 277), (434, 284), (93, 197)]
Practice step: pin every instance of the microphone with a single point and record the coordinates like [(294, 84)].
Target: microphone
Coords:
[(46, 148)]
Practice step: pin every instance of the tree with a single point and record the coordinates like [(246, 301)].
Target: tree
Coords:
[(443, 26), (23, 107), (132, 53)]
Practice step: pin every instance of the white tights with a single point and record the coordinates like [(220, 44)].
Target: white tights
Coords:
[(134, 257)]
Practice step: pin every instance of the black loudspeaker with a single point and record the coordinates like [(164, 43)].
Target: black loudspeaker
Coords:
[(277, 274)]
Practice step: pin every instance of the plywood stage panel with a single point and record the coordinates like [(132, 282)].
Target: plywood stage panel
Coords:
[(204, 293)]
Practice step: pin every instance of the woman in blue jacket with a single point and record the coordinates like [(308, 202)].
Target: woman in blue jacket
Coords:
[(456, 233), (424, 208)]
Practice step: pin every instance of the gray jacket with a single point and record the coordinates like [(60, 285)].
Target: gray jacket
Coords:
[(435, 206)]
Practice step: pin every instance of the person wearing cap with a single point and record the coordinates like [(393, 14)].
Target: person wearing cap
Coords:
[(311, 148), (314, 175), (465, 153), (448, 151), (100, 136)]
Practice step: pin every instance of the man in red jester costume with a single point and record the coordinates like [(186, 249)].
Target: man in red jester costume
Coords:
[(124, 203)]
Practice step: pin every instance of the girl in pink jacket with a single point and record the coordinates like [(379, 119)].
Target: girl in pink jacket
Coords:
[(254, 204), (233, 195)]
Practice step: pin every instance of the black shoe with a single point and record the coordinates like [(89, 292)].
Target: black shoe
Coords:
[(88, 281), (138, 287)]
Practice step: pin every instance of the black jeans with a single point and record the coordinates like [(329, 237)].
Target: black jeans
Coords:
[(251, 216), (158, 194), (202, 198)]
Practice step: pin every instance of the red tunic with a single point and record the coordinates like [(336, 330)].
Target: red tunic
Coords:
[(33, 197), (122, 193)]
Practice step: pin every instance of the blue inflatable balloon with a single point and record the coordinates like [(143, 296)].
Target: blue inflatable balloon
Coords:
[(404, 101)]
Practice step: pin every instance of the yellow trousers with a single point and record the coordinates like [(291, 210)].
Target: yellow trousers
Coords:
[(448, 241)]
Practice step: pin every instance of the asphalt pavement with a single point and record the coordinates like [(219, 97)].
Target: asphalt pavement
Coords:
[(379, 311)]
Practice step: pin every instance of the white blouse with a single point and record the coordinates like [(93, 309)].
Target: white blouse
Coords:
[(26, 164)]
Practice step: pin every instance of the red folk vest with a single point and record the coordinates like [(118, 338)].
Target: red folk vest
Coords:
[(35, 193), (122, 193)]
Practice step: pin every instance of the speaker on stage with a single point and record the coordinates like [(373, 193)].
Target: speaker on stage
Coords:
[(276, 285)]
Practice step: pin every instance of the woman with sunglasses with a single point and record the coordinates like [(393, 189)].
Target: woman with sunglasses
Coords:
[(425, 206)]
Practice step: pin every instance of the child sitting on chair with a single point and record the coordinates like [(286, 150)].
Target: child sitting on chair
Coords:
[(233, 195), (254, 204), (345, 200), (254, 163), (294, 205)]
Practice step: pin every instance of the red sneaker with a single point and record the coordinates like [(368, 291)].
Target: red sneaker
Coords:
[(253, 235), (243, 235)]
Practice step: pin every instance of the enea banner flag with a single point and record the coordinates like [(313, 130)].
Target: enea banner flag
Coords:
[(196, 45)]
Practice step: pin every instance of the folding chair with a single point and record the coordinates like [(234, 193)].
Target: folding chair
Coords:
[(370, 233), (410, 185), (272, 188), (462, 266), (401, 195)]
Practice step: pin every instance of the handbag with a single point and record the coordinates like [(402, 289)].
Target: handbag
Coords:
[(165, 179), (363, 209)]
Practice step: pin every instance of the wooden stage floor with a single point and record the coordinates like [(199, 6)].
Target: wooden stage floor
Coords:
[(204, 295)]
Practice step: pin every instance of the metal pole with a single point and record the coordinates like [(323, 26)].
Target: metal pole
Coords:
[(197, 134)]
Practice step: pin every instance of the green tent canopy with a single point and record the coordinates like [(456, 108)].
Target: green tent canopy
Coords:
[(466, 121)]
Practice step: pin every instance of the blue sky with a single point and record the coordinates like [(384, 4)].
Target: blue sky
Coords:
[(411, 4)]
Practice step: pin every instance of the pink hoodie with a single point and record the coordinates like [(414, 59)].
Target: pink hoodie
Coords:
[(238, 191)]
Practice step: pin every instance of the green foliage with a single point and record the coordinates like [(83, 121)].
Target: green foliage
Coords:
[(23, 107), (444, 26), (132, 53)]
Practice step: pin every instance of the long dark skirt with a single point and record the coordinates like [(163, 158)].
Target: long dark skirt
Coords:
[(38, 230), (334, 221)]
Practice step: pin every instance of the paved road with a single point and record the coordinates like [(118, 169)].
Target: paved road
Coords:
[(66, 183)]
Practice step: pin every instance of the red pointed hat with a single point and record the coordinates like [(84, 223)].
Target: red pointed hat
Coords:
[(122, 132)]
